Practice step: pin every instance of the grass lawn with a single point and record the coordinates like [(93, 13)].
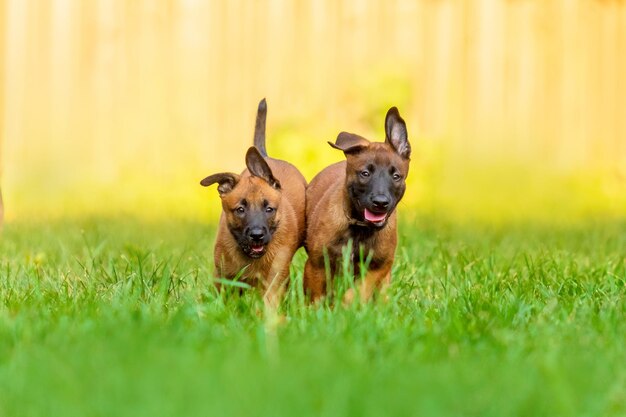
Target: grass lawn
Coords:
[(116, 317)]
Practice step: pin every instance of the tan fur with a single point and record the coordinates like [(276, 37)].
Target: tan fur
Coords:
[(271, 271), (328, 224)]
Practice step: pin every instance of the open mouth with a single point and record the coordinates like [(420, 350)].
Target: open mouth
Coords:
[(257, 249), (375, 218)]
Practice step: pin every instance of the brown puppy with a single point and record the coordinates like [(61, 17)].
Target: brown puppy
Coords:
[(262, 221), (355, 200)]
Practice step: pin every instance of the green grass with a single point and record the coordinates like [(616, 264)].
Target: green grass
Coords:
[(112, 317)]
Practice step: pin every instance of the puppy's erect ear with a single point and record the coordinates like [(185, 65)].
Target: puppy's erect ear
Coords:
[(396, 134), (226, 181), (350, 143), (258, 167)]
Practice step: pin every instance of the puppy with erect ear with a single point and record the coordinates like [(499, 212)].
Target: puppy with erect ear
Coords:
[(355, 201), (262, 221)]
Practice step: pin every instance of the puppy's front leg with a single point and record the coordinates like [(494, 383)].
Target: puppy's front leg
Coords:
[(277, 279), (217, 273), (274, 291), (219, 269), (314, 281), (375, 279)]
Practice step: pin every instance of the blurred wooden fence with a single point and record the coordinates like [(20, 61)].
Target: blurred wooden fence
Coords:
[(100, 88)]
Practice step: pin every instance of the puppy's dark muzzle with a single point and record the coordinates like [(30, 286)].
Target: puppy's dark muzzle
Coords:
[(257, 234), (380, 203), (257, 239)]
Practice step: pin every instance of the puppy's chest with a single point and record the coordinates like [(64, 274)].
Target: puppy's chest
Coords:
[(363, 241), (253, 271), (250, 271)]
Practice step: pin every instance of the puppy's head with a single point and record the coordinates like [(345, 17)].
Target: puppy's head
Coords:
[(376, 172), (250, 203)]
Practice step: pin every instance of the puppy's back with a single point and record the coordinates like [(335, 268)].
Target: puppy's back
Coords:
[(293, 185), (329, 178)]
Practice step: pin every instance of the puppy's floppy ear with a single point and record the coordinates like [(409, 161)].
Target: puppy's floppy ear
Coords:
[(396, 134), (226, 181), (258, 167), (350, 143)]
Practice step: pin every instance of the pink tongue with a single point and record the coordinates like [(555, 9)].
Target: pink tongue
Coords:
[(371, 217), (257, 248)]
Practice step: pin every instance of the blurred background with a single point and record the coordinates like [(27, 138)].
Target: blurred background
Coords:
[(516, 108)]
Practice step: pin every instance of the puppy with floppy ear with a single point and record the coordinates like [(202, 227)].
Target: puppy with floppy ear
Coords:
[(355, 201), (262, 221)]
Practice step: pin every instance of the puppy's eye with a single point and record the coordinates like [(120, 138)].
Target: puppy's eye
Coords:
[(365, 173), (269, 209), (240, 210), (397, 177)]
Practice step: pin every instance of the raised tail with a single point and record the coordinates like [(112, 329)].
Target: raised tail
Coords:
[(259, 128)]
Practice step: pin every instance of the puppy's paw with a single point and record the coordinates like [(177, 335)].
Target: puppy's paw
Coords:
[(349, 297)]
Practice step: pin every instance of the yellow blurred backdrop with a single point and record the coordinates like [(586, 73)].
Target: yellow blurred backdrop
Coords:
[(515, 108)]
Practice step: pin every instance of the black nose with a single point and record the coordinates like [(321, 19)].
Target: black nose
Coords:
[(380, 201), (256, 233)]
